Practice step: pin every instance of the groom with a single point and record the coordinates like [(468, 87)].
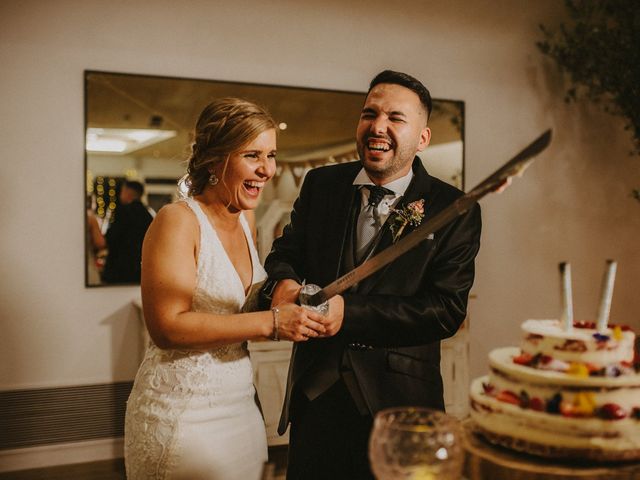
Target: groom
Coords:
[(382, 347)]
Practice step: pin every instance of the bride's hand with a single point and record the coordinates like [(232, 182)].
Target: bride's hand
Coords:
[(298, 324)]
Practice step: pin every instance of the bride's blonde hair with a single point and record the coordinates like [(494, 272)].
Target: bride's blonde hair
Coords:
[(224, 127)]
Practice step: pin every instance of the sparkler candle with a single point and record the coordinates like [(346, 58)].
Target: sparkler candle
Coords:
[(607, 294), (567, 302)]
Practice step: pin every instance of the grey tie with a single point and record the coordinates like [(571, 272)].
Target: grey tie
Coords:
[(369, 223)]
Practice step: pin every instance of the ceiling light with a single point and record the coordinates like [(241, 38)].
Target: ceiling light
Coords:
[(121, 141)]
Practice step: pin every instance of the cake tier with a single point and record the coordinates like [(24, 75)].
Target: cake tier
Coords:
[(553, 434), (558, 393), (502, 359), (580, 344)]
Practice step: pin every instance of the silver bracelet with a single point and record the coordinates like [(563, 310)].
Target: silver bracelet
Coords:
[(275, 311)]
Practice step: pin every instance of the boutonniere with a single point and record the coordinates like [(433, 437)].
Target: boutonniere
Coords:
[(411, 214)]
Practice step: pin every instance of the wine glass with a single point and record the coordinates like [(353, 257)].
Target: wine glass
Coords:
[(416, 443)]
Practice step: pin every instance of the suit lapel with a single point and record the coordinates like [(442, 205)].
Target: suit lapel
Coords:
[(417, 189)]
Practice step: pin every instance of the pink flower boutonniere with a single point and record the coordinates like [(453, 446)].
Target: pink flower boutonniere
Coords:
[(411, 214)]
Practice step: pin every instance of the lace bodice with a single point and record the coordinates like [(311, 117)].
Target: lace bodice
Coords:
[(171, 384)]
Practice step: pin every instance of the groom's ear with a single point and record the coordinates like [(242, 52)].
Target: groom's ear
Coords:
[(425, 138)]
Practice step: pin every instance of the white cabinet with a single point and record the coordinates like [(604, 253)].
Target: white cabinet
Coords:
[(271, 364), (454, 366)]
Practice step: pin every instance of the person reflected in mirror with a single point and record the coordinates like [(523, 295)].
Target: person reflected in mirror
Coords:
[(192, 413), (96, 243), (125, 235), (383, 349)]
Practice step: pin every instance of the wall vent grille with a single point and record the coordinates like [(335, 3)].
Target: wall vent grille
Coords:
[(45, 416)]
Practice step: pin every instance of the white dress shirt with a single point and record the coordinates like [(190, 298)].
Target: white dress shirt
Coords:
[(398, 186)]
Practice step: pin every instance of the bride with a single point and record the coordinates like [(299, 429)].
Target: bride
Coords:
[(191, 413)]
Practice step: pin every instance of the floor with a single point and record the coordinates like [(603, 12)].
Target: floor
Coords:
[(114, 470)]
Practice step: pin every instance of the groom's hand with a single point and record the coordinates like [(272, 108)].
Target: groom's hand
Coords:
[(285, 291), (333, 320)]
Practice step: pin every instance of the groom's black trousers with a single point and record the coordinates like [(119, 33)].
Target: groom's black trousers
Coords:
[(329, 438)]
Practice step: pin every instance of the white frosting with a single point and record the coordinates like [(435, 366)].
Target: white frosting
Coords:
[(502, 359), (554, 343), (554, 430), (536, 380), (545, 384)]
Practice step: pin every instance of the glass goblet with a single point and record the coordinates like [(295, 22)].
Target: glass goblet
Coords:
[(416, 443), (307, 291)]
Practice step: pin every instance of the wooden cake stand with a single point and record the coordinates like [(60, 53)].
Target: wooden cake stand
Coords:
[(484, 461)]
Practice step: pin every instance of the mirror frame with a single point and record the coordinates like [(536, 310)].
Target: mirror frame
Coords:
[(459, 118)]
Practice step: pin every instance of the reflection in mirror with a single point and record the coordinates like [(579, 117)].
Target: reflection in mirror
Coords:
[(138, 133)]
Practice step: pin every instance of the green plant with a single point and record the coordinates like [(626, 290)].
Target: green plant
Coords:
[(599, 49)]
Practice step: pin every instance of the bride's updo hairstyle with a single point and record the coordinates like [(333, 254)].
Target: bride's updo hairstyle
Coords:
[(223, 128)]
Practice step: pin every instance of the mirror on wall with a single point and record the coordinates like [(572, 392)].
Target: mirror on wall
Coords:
[(137, 139)]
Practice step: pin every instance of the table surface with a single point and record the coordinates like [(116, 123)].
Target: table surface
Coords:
[(485, 461)]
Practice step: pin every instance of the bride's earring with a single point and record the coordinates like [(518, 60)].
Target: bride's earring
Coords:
[(213, 180)]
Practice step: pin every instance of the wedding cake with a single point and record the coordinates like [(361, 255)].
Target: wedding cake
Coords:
[(570, 392)]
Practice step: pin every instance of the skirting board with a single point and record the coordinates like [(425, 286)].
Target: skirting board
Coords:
[(61, 454)]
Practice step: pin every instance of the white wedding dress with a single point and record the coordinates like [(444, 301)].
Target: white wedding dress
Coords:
[(192, 414)]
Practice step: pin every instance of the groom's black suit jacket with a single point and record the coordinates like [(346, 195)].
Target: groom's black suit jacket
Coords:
[(395, 319)]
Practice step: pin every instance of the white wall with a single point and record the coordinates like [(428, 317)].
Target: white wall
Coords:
[(573, 204)]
